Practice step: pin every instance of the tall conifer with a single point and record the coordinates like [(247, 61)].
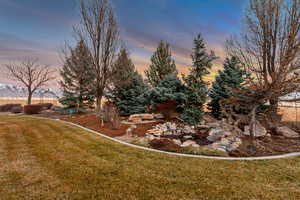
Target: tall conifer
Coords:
[(162, 64), (197, 87), (128, 86), (230, 78), (77, 78)]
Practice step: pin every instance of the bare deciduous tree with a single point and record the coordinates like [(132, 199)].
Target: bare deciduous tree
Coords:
[(100, 32), (31, 74), (270, 46)]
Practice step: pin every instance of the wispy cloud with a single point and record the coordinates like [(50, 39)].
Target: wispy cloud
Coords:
[(15, 48)]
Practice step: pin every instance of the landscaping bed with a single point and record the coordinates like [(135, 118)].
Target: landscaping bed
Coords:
[(192, 141), (93, 122)]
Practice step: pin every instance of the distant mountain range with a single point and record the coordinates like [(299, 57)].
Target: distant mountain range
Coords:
[(9, 90)]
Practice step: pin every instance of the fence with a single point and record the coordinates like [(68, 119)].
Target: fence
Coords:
[(23, 100)]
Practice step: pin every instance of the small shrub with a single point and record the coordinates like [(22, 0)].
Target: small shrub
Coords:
[(32, 109), (16, 109), (8, 107), (165, 145), (192, 115), (204, 151), (141, 142)]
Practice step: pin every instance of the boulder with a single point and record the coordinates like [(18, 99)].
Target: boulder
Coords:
[(188, 137), (130, 130), (213, 138), (287, 132), (196, 145), (203, 126), (141, 117), (216, 131), (155, 132), (159, 116), (150, 137), (188, 143), (215, 134), (188, 130), (213, 125), (178, 142), (259, 130)]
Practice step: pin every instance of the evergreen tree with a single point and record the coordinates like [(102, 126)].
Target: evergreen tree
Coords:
[(162, 64), (170, 88), (77, 78), (128, 87), (197, 90), (123, 69), (230, 78)]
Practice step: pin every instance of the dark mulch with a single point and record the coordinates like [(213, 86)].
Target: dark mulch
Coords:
[(93, 122)]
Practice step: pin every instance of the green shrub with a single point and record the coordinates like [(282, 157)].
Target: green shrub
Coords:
[(129, 98), (204, 151), (191, 115), (170, 89)]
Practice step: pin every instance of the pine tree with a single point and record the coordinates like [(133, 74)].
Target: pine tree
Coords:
[(77, 78), (197, 88), (162, 64), (123, 69), (230, 78), (128, 87)]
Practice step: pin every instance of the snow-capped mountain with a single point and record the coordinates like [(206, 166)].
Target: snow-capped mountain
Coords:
[(9, 90)]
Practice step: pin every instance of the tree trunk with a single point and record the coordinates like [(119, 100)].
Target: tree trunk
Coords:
[(29, 97), (253, 124), (98, 104)]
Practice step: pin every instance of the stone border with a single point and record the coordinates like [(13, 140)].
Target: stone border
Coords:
[(171, 153)]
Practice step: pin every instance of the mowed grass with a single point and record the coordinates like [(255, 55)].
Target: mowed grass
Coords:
[(42, 159)]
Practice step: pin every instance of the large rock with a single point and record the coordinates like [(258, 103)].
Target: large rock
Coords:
[(141, 117), (203, 126), (213, 124), (287, 132), (188, 143), (188, 130), (159, 116), (259, 130), (215, 134), (178, 142)]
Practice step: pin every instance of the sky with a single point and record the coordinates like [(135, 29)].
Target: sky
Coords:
[(39, 28)]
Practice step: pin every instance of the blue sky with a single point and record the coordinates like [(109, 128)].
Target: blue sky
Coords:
[(39, 27)]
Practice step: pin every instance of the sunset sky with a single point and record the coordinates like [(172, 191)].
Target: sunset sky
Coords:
[(38, 28)]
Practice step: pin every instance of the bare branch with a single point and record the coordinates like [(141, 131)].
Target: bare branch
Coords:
[(32, 75)]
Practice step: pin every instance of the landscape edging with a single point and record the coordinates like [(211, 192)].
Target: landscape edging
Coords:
[(288, 155)]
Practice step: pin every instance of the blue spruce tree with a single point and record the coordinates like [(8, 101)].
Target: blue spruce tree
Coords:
[(197, 87), (232, 77)]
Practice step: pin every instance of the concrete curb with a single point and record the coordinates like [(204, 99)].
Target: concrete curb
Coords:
[(176, 154)]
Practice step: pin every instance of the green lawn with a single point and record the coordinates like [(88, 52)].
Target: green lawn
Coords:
[(41, 159)]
